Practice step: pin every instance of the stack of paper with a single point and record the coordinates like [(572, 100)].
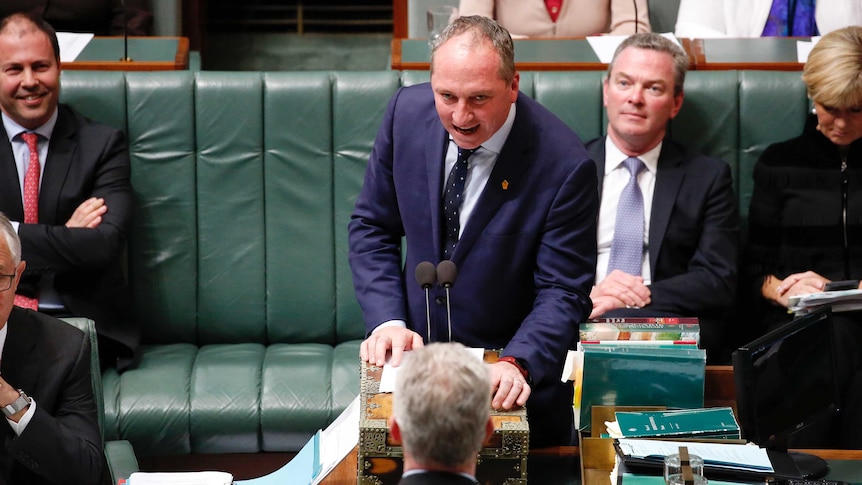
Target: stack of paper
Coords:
[(840, 301)]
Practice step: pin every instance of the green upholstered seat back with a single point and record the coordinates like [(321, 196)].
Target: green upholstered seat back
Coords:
[(244, 181)]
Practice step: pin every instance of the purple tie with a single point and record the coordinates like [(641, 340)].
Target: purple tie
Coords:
[(452, 199), (628, 244)]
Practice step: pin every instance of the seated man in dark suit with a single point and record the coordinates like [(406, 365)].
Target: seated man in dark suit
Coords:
[(52, 432), (668, 221), (64, 182), (441, 413)]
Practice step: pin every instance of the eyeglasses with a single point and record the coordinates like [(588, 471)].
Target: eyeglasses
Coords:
[(6, 281)]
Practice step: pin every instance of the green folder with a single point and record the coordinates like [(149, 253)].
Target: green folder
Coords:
[(718, 423), (640, 376)]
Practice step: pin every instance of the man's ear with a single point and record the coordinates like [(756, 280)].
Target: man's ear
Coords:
[(394, 430), (489, 428)]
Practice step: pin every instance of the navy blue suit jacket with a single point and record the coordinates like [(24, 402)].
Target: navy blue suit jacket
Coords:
[(526, 257), (693, 237)]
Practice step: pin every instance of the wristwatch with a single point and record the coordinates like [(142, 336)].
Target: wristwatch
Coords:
[(17, 405)]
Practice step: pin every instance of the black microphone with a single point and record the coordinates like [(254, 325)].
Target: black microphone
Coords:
[(126, 57), (426, 275), (635, 2), (446, 274)]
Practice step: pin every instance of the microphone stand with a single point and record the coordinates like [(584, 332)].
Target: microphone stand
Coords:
[(125, 57)]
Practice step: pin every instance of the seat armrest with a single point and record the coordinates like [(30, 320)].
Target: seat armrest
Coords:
[(121, 459)]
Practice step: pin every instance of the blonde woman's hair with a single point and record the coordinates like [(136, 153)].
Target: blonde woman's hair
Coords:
[(833, 72)]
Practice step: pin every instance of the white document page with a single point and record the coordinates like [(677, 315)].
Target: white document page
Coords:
[(181, 478), (730, 456), (338, 440), (72, 44), (387, 379)]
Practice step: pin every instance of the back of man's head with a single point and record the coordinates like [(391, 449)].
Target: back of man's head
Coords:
[(442, 404)]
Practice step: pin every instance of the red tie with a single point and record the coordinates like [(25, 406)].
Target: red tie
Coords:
[(31, 202), (554, 7)]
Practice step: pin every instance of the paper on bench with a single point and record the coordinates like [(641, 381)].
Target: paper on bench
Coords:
[(731, 456), (181, 478), (72, 44), (387, 379)]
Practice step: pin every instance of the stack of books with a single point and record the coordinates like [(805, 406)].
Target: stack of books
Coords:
[(636, 362)]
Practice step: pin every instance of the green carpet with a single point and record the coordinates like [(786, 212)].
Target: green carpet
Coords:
[(294, 52)]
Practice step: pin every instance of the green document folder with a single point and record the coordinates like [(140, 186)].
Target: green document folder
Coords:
[(640, 376), (717, 423)]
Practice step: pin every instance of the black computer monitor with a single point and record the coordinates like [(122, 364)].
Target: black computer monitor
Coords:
[(786, 390)]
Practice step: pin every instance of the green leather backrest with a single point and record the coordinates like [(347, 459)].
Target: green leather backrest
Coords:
[(89, 328), (244, 182)]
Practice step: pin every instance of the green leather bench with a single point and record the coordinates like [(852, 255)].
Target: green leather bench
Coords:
[(244, 183)]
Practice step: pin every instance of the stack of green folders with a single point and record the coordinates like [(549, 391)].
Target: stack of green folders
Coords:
[(637, 362), (712, 423)]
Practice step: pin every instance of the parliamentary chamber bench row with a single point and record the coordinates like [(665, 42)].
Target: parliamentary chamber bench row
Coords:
[(237, 259)]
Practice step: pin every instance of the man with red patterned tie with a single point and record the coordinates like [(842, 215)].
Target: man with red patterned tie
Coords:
[(64, 182)]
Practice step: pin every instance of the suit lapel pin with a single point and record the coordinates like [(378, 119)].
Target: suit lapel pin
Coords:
[(505, 185)]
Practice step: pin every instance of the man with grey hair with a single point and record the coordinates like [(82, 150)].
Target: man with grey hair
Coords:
[(51, 434), (668, 222), (441, 413)]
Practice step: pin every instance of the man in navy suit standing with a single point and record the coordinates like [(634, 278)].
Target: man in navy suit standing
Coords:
[(469, 170), (685, 248), (441, 413)]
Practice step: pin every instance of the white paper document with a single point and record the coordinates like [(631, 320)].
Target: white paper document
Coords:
[(338, 440), (387, 379), (181, 478), (803, 48), (72, 44), (729, 456), (839, 300)]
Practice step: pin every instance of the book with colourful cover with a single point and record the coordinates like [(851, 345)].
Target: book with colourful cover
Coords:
[(716, 423), (669, 330)]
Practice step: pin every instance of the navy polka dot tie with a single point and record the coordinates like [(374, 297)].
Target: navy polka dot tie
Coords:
[(628, 244), (452, 198)]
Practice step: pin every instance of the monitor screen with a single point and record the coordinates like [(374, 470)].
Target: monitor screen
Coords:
[(785, 383)]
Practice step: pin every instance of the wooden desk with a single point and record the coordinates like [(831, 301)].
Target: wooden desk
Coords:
[(759, 53), (530, 55), (147, 54)]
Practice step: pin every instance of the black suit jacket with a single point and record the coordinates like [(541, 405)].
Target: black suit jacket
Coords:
[(50, 361), (693, 236), (436, 478), (85, 159)]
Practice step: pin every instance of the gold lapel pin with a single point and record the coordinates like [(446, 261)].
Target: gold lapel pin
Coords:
[(505, 185)]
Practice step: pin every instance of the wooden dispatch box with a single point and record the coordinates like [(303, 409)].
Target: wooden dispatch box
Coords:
[(502, 460)]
